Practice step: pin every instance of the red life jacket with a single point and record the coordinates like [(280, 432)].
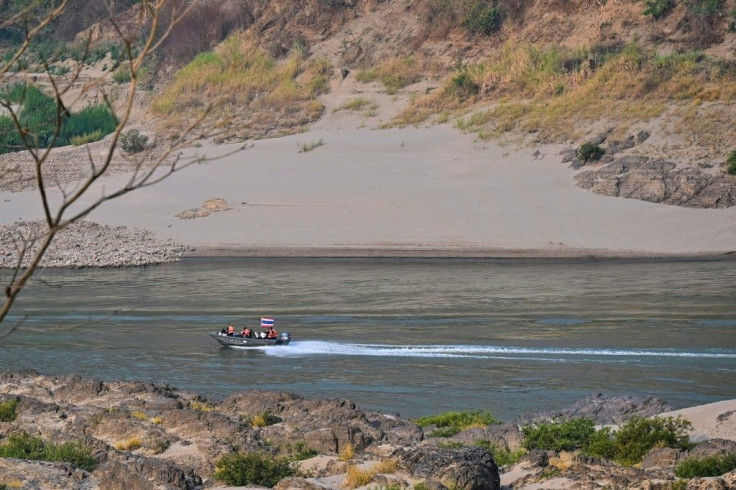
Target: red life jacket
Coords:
[(230, 329)]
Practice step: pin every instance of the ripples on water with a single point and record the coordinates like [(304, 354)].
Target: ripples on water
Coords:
[(410, 336)]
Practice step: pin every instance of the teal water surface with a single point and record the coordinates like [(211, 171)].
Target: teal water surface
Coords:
[(413, 337)]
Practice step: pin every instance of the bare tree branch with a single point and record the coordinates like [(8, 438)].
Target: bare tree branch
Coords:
[(144, 173)]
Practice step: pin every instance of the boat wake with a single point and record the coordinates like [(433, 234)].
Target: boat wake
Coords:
[(306, 348)]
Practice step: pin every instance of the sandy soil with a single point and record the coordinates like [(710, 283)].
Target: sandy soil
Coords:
[(413, 191), (714, 420)]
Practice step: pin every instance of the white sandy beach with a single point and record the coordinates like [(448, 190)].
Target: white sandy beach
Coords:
[(413, 191)]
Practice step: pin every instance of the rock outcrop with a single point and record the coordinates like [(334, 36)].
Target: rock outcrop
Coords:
[(660, 181), (472, 468)]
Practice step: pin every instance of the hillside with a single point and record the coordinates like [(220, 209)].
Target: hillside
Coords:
[(654, 81)]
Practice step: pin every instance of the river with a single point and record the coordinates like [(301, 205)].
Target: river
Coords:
[(408, 336)]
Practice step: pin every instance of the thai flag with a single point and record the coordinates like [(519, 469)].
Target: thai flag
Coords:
[(266, 322)]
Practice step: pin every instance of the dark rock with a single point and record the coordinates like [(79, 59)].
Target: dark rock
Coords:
[(133, 472), (536, 458), (642, 136), (75, 388), (322, 440), (568, 155), (467, 468), (598, 139), (662, 182), (577, 163), (617, 146), (713, 447), (664, 457), (612, 409), (434, 485)]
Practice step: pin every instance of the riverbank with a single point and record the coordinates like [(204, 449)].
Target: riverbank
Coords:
[(174, 439), (424, 192)]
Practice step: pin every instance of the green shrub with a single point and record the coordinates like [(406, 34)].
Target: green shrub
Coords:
[(462, 86), (658, 9), (559, 436), (704, 467), (638, 436), (451, 423), (23, 446), (502, 455), (482, 18), (133, 141), (7, 410), (122, 74), (299, 451), (252, 469), (731, 163), (590, 151)]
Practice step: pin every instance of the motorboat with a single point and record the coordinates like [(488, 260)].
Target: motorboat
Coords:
[(239, 341)]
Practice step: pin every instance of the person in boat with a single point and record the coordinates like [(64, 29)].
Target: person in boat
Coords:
[(230, 330), (247, 333), (271, 334)]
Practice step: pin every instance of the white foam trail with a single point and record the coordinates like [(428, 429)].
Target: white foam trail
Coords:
[(345, 349)]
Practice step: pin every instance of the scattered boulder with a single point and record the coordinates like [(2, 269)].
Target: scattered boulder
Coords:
[(713, 447), (662, 457), (468, 468)]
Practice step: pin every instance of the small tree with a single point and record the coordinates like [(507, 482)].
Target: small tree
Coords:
[(156, 20)]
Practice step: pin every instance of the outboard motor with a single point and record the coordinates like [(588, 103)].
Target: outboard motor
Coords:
[(285, 337)]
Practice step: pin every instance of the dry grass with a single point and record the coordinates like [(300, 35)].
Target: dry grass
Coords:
[(129, 444), (358, 477), (397, 73), (137, 414), (238, 75), (201, 406), (157, 420), (551, 91), (347, 452), (358, 104), (386, 467)]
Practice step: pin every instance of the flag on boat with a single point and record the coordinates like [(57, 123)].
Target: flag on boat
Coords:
[(266, 322)]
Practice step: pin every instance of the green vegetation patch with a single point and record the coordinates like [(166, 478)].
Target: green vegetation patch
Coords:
[(731, 163), (502, 455), (658, 9), (252, 469), (450, 423), (483, 18), (705, 467), (590, 151), (7, 410), (627, 446), (638, 436), (24, 446), (41, 117), (566, 435)]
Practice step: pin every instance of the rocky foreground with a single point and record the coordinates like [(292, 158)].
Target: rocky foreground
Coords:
[(147, 436), (85, 244)]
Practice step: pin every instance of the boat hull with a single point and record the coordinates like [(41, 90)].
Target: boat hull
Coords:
[(239, 341)]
